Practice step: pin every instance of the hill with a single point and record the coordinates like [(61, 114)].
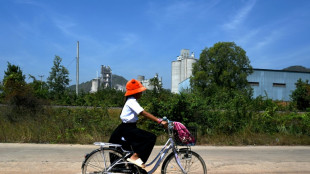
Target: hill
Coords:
[(116, 81), (297, 68)]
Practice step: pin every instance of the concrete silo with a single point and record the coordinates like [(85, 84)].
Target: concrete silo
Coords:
[(175, 75), (181, 69), (189, 67), (94, 85)]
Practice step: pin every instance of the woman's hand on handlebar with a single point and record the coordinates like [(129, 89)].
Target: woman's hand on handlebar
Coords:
[(164, 124)]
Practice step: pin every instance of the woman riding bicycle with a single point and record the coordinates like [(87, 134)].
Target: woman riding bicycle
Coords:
[(141, 141)]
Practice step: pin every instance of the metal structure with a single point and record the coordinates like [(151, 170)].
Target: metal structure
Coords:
[(274, 84), (104, 81), (106, 77), (181, 69)]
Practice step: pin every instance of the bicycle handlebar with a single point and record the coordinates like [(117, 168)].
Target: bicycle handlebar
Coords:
[(170, 125), (165, 119)]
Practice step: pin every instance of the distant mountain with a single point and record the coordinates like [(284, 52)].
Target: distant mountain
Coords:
[(297, 68), (116, 81)]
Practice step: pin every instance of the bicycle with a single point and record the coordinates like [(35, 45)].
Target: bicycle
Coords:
[(111, 158)]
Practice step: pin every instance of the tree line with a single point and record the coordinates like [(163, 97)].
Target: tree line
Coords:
[(219, 102)]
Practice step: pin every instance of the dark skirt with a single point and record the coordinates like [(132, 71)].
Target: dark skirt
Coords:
[(137, 140)]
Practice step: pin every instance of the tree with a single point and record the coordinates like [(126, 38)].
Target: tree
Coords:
[(301, 95), (18, 95), (40, 88), (13, 78), (1, 92), (224, 66), (156, 84), (58, 79), (13, 74)]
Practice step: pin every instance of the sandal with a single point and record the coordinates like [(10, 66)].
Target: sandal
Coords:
[(137, 162)]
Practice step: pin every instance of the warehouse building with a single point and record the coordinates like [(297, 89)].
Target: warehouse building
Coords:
[(274, 84)]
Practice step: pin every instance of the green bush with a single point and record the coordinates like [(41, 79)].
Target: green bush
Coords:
[(61, 125), (228, 116), (301, 95)]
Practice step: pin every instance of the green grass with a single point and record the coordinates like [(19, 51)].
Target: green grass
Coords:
[(87, 125)]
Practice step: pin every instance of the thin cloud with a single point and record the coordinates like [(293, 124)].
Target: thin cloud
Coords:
[(168, 13), (129, 39), (248, 37), (240, 17), (65, 25), (269, 39), (29, 2), (177, 9)]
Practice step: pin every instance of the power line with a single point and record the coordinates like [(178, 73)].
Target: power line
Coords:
[(71, 62)]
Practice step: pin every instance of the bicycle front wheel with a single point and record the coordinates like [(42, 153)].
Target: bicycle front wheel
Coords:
[(99, 160), (190, 161)]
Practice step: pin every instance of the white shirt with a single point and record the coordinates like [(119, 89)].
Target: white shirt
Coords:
[(131, 111)]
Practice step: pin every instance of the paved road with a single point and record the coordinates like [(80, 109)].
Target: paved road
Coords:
[(67, 159)]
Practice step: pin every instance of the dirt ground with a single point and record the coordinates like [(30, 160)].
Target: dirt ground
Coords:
[(67, 159)]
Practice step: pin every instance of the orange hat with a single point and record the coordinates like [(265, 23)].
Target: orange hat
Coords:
[(134, 87)]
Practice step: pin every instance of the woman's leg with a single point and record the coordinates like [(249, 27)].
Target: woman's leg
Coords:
[(142, 143), (116, 135)]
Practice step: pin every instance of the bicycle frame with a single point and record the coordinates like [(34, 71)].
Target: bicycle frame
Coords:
[(164, 151), (162, 154), (170, 144)]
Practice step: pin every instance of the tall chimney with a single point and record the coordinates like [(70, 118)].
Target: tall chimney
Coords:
[(77, 70)]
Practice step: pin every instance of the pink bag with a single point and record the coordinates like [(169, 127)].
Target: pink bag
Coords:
[(183, 136)]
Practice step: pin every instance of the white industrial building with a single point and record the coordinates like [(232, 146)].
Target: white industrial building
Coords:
[(94, 85), (181, 69), (146, 82), (104, 81)]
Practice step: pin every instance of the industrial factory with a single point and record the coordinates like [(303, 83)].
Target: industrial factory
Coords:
[(274, 84), (181, 69), (104, 81), (146, 82)]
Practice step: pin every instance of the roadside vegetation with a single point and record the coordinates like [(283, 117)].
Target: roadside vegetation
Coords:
[(219, 104)]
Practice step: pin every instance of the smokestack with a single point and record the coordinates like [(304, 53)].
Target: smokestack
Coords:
[(77, 70)]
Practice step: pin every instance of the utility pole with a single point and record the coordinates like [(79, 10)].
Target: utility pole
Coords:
[(41, 76), (77, 70)]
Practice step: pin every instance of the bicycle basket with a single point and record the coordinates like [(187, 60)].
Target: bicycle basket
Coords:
[(184, 136)]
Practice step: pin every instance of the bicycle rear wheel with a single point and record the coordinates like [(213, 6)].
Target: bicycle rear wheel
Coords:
[(190, 161), (99, 160)]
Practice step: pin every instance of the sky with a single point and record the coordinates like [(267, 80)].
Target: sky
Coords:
[(143, 37)]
